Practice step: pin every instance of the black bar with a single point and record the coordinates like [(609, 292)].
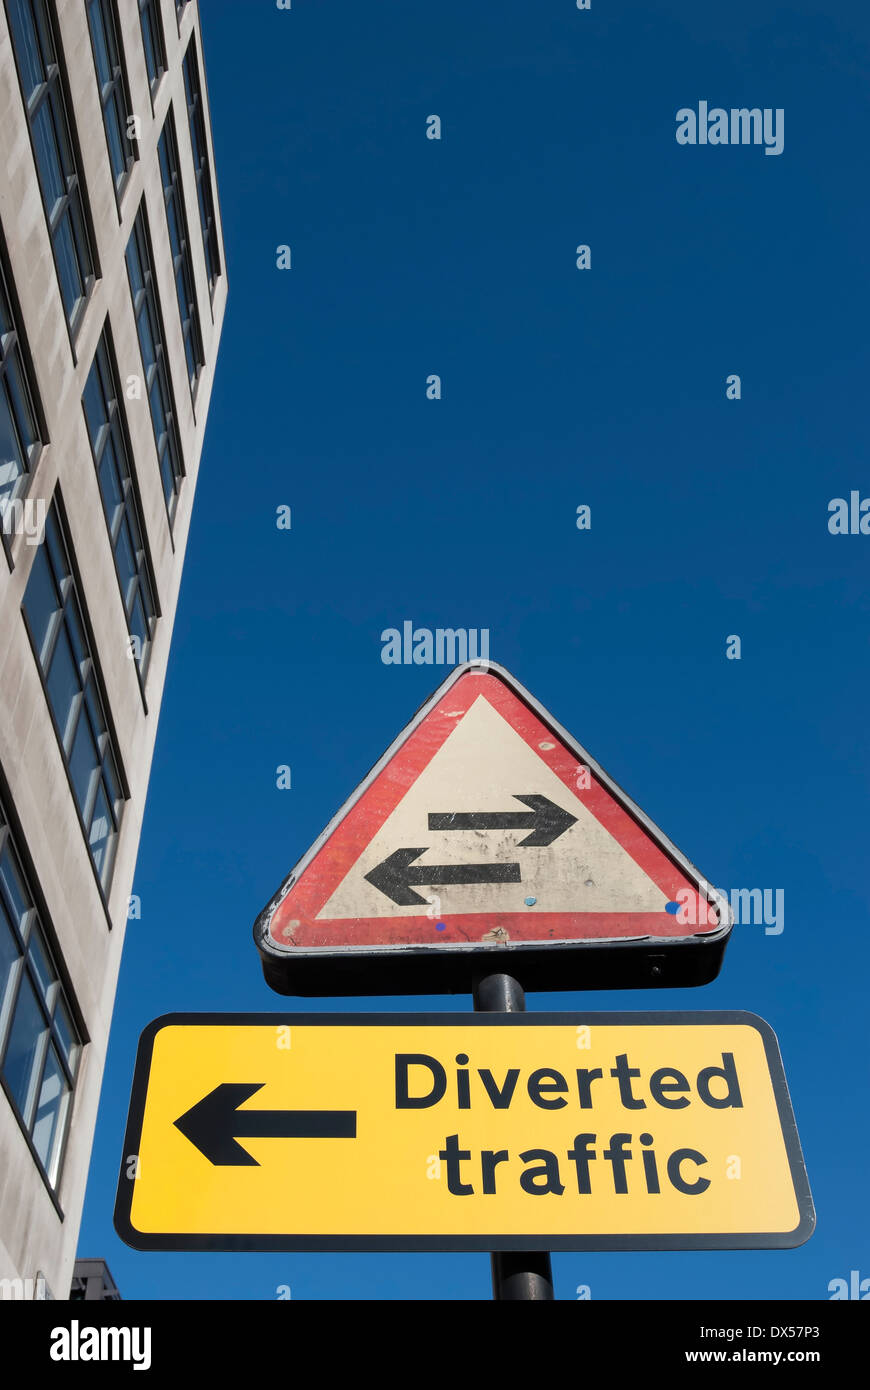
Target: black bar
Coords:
[(294, 1124), (517, 1275)]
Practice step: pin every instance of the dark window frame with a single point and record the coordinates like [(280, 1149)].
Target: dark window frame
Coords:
[(14, 348), (13, 844), (119, 83), (70, 593), (201, 165), (54, 91), (131, 505), (182, 264), (160, 372)]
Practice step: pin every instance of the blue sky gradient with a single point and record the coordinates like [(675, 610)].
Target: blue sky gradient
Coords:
[(560, 387)]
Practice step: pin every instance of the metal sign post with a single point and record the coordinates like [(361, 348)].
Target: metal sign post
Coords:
[(517, 1275)]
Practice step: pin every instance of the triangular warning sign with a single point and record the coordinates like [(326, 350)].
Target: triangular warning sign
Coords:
[(486, 825)]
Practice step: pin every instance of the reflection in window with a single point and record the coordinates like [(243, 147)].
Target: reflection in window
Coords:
[(40, 1046), (54, 617)]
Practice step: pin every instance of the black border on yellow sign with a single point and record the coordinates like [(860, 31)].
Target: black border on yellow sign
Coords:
[(179, 1240)]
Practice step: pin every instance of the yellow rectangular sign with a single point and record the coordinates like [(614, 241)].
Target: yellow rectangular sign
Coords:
[(461, 1132)]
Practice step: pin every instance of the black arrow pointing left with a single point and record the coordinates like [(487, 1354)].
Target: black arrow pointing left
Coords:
[(215, 1122)]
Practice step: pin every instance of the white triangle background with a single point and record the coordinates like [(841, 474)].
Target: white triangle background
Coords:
[(482, 766)]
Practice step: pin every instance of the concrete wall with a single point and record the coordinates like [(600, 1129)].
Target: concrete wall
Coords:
[(87, 932)]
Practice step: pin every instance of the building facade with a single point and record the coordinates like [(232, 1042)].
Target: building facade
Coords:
[(112, 295)]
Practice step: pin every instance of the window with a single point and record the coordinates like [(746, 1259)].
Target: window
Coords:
[(55, 620), (40, 1046), (179, 240), (113, 88), (157, 383), (152, 41), (101, 401), (36, 54), (205, 197), (19, 432)]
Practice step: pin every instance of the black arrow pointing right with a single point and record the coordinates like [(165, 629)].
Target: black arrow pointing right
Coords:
[(546, 820), (215, 1122)]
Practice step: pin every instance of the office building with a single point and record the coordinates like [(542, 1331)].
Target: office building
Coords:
[(112, 295)]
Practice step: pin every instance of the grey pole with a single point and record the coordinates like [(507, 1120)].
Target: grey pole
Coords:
[(517, 1275)]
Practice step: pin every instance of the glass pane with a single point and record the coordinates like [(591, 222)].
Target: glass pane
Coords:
[(110, 485), (17, 897), (46, 42), (139, 623), (71, 287), (146, 335), (49, 1109), (112, 786), (26, 45), (67, 1035), (77, 635), (41, 602), (83, 246), (174, 232), (126, 562), (48, 163), (95, 710), (158, 411), (56, 548), (101, 48), (83, 764), (64, 149), (94, 403), (116, 138), (64, 685), (23, 1051), (165, 166), (101, 834), (149, 44), (20, 402), (6, 324), (11, 457), (191, 357), (40, 965), (168, 470), (10, 954), (134, 265)]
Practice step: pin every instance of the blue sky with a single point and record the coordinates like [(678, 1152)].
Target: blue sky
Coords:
[(560, 387)]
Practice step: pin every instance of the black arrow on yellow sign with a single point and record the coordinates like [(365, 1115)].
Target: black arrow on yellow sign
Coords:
[(215, 1122)]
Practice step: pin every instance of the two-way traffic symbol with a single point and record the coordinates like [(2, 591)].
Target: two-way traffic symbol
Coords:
[(394, 875)]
